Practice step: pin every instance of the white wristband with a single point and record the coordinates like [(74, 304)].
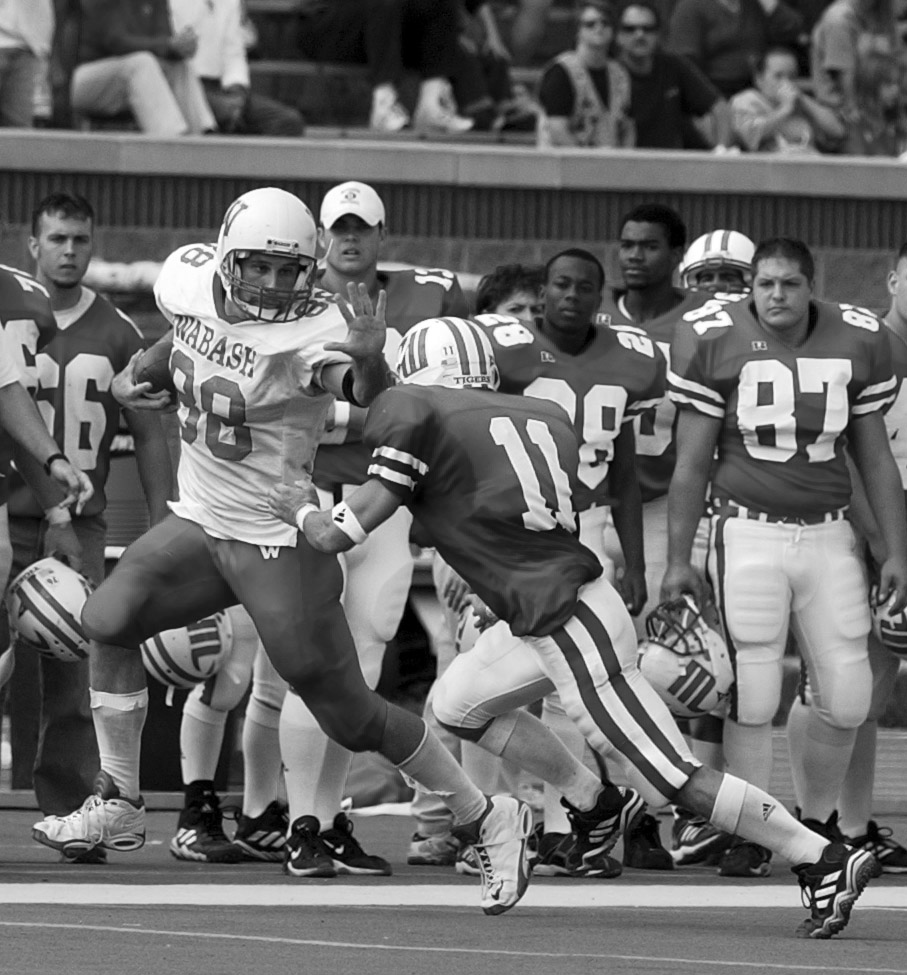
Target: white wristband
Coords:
[(302, 512), (57, 515), (341, 415), (343, 517)]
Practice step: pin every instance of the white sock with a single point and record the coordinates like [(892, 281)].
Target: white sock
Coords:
[(748, 751), (201, 739), (827, 752), (797, 721), (118, 722), (855, 801), (262, 759), (316, 768)]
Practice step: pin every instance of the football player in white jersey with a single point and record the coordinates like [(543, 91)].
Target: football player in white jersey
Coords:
[(854, 809), (257, 359), (773, 384)]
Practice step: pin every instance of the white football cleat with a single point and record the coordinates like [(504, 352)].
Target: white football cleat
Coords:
[(105, 820), (500, 840)]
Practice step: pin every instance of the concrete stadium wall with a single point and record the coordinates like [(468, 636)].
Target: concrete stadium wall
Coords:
[(466, 207)]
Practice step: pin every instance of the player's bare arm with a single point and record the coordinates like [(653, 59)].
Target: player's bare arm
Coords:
[(134, 395), (627, 515), (364, 344), (697, 435), (22, 421), (872, 454), (345, 525)]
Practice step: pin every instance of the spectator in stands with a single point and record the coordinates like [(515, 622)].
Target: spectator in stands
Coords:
[(26, 31), (221, 64), (584, 93), (877, 127), (130, 59), (776, 115), (390, 37), (845, 29), (725, 38), (667, 91)]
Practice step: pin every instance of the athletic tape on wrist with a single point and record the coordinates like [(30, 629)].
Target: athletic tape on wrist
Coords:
[(343, 517), (303, 511)]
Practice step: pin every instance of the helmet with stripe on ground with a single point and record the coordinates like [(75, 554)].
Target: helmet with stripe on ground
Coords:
[(189, 655), (452, 352), (45, 609), (685, 660)]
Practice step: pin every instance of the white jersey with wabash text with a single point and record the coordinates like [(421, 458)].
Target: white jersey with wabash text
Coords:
[(490, 477), (251, 407), (784, 411), (616, 377), (656, 450)]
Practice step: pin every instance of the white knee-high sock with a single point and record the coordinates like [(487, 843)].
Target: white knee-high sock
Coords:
[(827, 752), (201, 739), (748, 752), (262, 760), (797, 722), (118, 722), (855, 801)]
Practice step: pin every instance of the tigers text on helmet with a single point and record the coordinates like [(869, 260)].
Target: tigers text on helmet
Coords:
[(453, 352), (890, 628), (718, 249), (268, 221), (189, 655), (685, 660), (45, 610)]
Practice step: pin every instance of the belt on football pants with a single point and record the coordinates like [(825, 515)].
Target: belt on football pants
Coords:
[(718, 506)]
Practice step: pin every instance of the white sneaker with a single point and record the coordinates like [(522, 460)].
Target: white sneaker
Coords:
[(105, 819), (387, 114), (501, 851), (437, 112)]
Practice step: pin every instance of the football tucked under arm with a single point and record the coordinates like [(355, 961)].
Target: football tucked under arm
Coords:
[(146, 382)]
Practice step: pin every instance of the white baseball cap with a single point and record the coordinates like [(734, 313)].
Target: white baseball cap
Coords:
[(351, 197)]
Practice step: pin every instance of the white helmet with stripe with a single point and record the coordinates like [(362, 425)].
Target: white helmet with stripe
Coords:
[(718, 249), (685, 660), (45, 610), (453, 352), (189, 655), (890, 628)]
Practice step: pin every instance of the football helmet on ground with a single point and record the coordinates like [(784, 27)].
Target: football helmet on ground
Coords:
[(718, 249), (452, 352), (188, 655), (45, 609), (270, 221), (685, 660), (890, 628)]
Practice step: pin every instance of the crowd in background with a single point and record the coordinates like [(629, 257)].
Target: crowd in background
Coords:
[(784, 76)]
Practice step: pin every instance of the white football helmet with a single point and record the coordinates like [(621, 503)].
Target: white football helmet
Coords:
[(189, 655), (890, 628), (720, 248), (685, 660), (45, 610), (453, 352), (275, 222)]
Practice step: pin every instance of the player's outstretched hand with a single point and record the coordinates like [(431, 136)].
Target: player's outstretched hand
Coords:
[(682, 579), (893, 583), (285, 500), (135, 395), (74, 482), (365, 324)]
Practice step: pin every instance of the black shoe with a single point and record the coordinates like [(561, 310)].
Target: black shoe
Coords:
[(347, 853), (304, 854), (744, 859), (643, 848), (263, 837), (829, 829), (616, 813), (200, 834), (883, 846), (831, 886)]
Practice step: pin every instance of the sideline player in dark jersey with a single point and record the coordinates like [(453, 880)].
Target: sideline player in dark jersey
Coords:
[(92, 343), (777, 384), (855, 801), (490, 478)]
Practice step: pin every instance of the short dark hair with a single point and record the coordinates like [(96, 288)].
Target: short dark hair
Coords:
[(580, 255), (647, 5), (902, 253), (664, 216), (506, 280), (762, 59), (787, 248), (67, 204)]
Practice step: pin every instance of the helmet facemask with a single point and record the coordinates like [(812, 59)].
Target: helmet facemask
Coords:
[(268, 304)]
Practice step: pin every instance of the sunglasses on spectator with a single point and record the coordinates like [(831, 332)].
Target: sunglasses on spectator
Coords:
[(596, 22), (643, 28)]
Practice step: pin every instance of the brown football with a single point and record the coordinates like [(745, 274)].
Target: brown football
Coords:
[(154, 366)]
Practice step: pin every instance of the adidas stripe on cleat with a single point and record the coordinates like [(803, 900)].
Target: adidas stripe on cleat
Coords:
[(263, 837), (200, 834), (831, 886)]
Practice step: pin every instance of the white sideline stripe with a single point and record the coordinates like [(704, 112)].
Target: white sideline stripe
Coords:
[(422, 895), (697, 964)]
